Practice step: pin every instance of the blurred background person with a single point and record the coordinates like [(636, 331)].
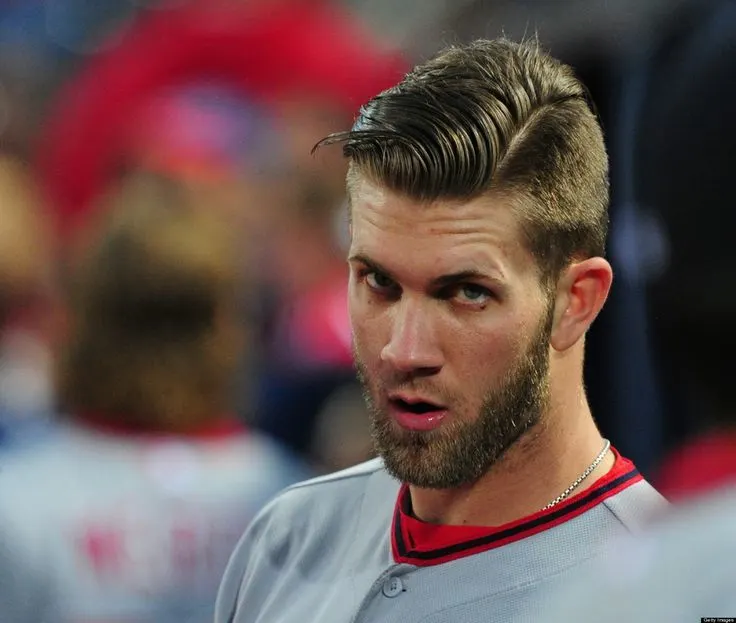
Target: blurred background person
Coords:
[(252, 164), (230, 101), (138, 499)]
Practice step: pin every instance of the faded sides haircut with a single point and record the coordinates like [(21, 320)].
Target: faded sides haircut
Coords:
[(493, 117)]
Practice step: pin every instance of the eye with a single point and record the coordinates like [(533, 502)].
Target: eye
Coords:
[(378, 281), (473, 294)]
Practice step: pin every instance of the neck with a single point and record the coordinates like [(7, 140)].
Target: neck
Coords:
[(534, 471)]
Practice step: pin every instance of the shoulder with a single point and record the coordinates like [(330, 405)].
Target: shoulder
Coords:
[(637, 506), (316, 506), (661, 573), (296, 499), (352, 476), (324, 499), (320, 500), (300, 522)]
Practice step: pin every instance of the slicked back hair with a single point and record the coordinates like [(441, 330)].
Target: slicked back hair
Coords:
[(493, 117)]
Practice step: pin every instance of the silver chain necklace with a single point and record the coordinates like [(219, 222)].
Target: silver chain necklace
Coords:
[(580, 478)]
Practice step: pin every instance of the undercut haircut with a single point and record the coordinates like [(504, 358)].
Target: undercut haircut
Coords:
[(493, 117)]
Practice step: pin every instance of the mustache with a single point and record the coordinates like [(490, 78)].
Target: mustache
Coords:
[(401, 382)]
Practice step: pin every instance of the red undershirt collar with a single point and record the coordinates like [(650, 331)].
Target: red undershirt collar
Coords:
[(419, 543), (222, 428)]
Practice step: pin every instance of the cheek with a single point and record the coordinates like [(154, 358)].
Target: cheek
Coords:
[(367, 329), (487, 350)]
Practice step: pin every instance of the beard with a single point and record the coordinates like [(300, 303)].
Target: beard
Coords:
[(460, 452)]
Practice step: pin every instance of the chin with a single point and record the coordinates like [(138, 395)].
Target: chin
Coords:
[(421, 471), (421, 458)]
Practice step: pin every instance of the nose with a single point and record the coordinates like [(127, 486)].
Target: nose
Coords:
[(413, 347)]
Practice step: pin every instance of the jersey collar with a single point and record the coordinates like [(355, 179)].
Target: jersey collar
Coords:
[(423, 544)]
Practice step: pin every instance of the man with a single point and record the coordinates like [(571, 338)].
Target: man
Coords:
[(135, 503), (478, 196)]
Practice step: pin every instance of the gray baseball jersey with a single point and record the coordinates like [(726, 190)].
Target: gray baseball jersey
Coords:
[(345, 548), (678, 571), (136, 529)]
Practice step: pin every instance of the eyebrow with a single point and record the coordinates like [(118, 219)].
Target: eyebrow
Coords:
[(462, 276), (442, 281), (364, 259)]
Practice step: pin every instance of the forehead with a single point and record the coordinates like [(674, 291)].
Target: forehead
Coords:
[(482, 233)]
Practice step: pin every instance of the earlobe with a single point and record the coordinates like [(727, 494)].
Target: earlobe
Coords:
[(581, 293)]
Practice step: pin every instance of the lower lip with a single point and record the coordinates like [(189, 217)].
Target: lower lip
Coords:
[(415, 421)]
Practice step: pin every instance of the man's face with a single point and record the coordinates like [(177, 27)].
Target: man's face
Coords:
[(451, 333)]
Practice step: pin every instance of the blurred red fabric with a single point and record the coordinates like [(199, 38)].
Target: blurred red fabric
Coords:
[(700, 466), (308, 47)]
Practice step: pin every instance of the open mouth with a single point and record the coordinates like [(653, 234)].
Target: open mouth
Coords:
[(418, 408), (418, 415)]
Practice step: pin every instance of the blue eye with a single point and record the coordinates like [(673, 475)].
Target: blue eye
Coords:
[(472, 293)]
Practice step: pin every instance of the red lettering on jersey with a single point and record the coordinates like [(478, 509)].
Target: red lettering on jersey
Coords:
[(103, 547)]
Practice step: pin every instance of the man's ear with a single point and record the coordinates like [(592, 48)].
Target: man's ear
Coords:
[(581, 293)]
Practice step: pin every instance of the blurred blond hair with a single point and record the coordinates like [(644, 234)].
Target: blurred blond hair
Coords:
[(154, 337)]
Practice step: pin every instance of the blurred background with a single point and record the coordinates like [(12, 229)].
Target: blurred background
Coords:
[(220, 102)]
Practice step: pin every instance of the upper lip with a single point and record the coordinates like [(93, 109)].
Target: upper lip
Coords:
[(413, 399)]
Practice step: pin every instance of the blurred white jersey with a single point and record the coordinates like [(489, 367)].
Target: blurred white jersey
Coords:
[(137, 529)]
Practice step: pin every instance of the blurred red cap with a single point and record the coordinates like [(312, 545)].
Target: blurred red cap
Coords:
[(271, 52)]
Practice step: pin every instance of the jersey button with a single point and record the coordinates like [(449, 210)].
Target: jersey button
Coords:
[(392, 587)]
